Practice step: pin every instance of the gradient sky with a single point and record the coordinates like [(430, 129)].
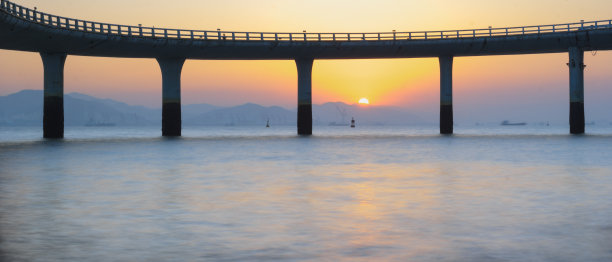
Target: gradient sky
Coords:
[(502, 86)]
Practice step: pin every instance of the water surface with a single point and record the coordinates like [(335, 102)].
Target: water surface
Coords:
[(255, 194)]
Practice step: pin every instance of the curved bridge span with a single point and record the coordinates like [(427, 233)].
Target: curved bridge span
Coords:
[(55, 37)]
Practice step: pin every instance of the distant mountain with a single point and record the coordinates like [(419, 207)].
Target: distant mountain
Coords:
[(25, 108), (19, 108), (81, 109), (194, 110)]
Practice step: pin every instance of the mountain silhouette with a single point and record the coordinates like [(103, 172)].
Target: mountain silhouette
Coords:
[(25, 108)]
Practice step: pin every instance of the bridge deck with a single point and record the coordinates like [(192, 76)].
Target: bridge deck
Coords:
[(30, 30)]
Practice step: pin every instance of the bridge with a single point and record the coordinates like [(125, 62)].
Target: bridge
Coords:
[(56, 37)]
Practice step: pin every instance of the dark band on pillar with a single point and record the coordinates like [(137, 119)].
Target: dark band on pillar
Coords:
[(446, 119), (171, 119), (53, 117), (305, 119), (577, 118)]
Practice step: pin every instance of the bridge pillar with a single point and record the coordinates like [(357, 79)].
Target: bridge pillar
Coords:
[(53, 107), (576, 67), (446, 94), (171, 95), (304, 117)]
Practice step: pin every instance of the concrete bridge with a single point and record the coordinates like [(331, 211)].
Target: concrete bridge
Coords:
[(56, 37)]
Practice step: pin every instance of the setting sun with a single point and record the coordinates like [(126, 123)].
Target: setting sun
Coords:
[(364, 101)]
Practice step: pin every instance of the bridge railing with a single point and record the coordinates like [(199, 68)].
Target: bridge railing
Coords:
[(152, 32)]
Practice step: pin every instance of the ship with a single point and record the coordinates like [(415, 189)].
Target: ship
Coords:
[(508, 123)]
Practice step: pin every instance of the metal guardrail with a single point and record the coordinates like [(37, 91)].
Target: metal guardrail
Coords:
[(152, 32)]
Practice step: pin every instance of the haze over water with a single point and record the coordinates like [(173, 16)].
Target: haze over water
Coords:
[(529, 193)]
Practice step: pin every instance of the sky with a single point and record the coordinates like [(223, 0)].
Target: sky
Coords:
[(532, 87)]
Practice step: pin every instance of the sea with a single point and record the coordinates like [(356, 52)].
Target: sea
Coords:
[(372, 193)]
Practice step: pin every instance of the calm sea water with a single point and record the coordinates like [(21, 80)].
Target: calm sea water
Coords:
[(493, 193)]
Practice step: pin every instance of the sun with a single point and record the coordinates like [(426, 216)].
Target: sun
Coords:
[(364, 101)]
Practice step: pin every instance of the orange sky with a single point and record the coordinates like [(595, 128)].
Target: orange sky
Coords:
[(409, 83)]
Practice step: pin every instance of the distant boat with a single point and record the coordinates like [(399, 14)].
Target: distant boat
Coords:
[(508, 123), (352, 122)]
